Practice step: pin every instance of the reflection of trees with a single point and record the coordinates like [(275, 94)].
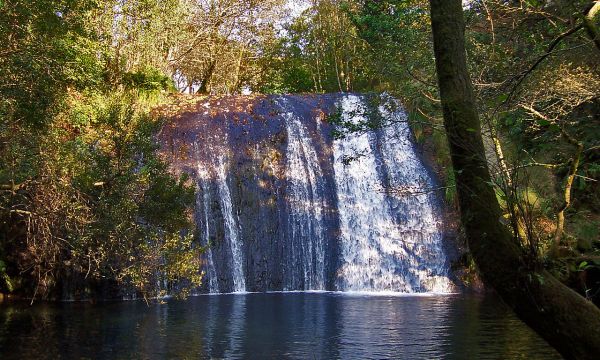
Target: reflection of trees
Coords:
[(297, 325), (486, 328)]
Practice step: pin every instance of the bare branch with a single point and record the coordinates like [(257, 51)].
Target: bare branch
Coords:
[(548, 52)]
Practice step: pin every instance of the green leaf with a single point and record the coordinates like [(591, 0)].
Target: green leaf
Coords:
[(583, 266), (543, 122), (502, 98), (540, 279), (554, 127)]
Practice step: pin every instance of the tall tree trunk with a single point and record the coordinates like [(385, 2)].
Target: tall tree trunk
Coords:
[(237, 83), (565, 319), (205, 82), (560, 216), (319, 85), (337, 71)]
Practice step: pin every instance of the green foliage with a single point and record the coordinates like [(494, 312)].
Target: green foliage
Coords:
[(84, 199), (5, 281), (450, 191), (318, 52), (392, 28), (369, 116), (584, 227), (286, 77), (530, 198), (120, 213), (148, 79), (140, 209), (47, 48)]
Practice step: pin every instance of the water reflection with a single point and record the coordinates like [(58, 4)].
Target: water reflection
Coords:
[(276, 325)]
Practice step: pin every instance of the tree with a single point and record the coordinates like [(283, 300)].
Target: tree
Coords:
[(565, 319), (222, 44), (319, 51), (80, 181), (537, 82)]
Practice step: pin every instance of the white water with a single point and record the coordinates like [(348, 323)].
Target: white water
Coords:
[(231, 227), (213, 284), (203, 202), (387, 244), (420, 227), (304, 177)]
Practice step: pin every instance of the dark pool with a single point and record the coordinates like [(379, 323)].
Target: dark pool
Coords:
[(272, 326)]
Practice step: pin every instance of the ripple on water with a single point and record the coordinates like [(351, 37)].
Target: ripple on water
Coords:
[(317, 325)]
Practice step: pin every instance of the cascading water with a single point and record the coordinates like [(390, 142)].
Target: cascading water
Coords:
[(286, 205), (231, 228), (202, 206), (306, 206), (388, 243), (417, 214), (211, 273)]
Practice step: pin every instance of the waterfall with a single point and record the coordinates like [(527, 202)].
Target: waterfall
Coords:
[(203, 209), (416, 212), (306, 238), (231, 228), (387, 243), (211, 273), (285, 205)]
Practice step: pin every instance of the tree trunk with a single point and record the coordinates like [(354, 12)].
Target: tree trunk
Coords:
[(500, 156), (560, 216), (566, 320), (203, 89), (590, 26), (237, 83)]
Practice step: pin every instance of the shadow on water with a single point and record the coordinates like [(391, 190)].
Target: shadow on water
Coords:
[(272, 325)]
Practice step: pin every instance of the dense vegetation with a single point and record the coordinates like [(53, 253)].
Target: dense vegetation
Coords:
[(86, 208), (534, 67), (569, 322)]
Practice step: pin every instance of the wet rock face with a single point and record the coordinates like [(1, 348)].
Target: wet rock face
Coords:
[(285, 206)]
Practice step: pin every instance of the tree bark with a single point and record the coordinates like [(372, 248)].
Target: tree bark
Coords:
[(203, 89), (237, 83), (590, 26), (566, 320), (560, 216)]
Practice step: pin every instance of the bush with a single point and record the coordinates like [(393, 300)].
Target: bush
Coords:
[(148, 79)]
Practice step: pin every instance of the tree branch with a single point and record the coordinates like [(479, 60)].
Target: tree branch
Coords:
[(548, 52)]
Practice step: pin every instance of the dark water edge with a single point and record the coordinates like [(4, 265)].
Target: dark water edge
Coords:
[(272, 326)]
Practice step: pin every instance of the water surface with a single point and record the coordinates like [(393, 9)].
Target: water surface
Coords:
[(272, 326)]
